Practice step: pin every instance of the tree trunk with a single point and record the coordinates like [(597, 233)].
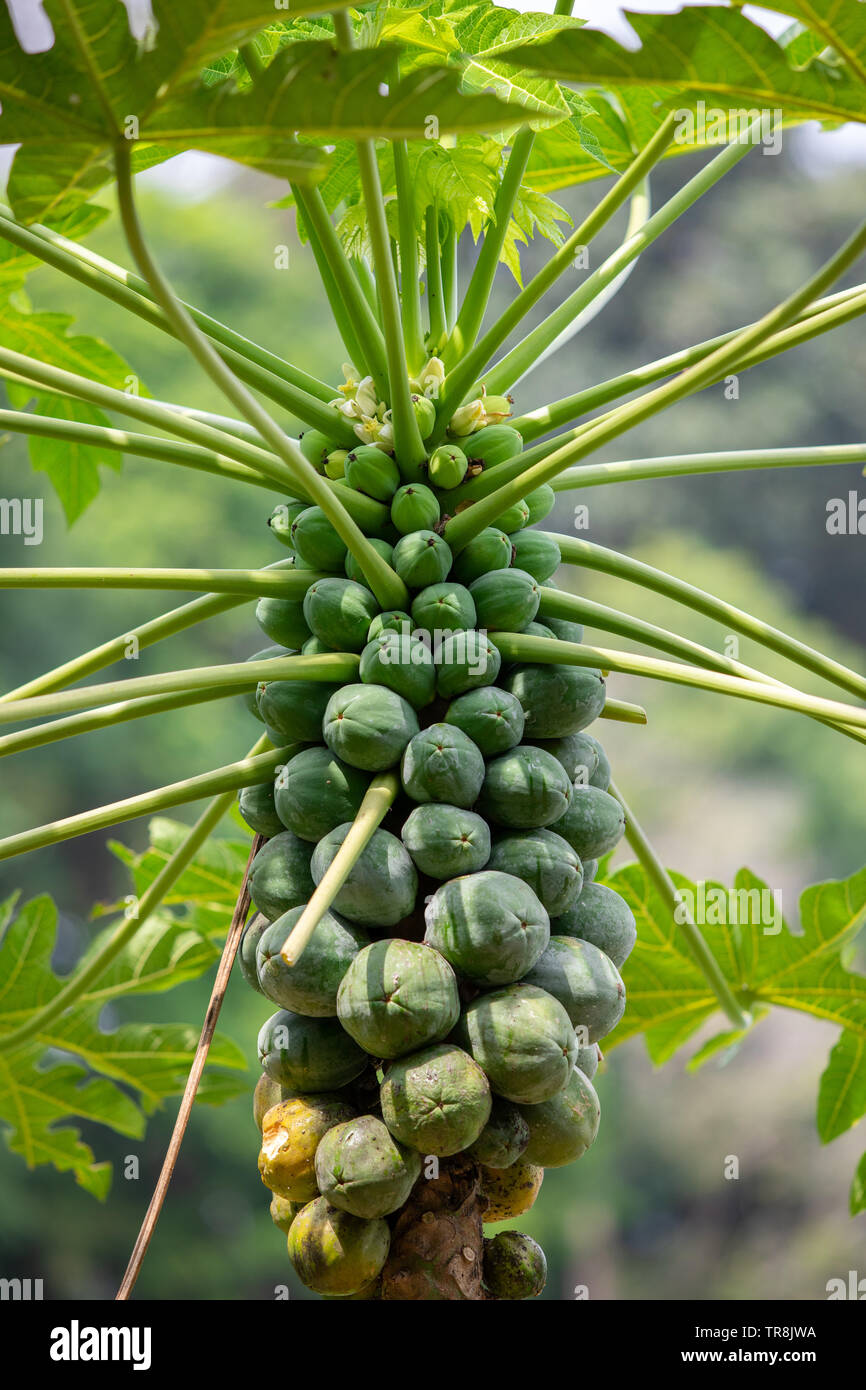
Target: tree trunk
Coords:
[(437, 1240)]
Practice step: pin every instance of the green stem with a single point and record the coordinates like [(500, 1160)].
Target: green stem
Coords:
[(590, 555), (621, 712), (480, 287), (298, 392), (473, 520), (240, 675), (339, 309), (147, 904), (520, 647), (435, 290), (664, 885), (472, 363), (282, 583), (450, 287), (246, 773), (516, 362), (410, 295), (386, 585), (125, 442), (691, 465), (378, 799), (364, 276)]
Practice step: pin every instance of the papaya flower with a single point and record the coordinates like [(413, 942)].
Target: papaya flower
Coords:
[(431, 378), (467, 418)]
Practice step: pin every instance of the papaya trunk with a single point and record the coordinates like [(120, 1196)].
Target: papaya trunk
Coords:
[(437, 1242)]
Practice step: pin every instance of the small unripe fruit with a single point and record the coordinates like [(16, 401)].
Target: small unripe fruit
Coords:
[(425, 414), (447, 466), (414, 508), (316, 446), (335, 464)]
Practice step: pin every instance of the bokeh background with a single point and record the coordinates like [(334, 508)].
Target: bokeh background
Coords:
[(719, 784)]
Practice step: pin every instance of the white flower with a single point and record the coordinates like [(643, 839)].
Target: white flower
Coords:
[(468, 418), (431, 378)]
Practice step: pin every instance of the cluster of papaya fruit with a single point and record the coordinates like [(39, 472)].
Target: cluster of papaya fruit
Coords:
[(452, 998)]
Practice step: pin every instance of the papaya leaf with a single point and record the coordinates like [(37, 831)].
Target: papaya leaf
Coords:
[(710, 54), (210, 881), (842, 1090), (77, 1068), (16, 265), (841, 28), (857, 1201)]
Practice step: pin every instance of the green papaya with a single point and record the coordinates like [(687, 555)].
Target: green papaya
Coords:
[(335, 464), (266, 1093), (392, 620), (575, 754), (444, 608), (403, 663), (536, 630), (445, 841), (362, 1169), (541, 502), (368, 469), (295, 709), (310, 986), (562, 1128), (316, 541), (491, 717), (339, 612), (282, 619), (537, 554), (515, 1267), (379, 890), (353, 569), (490, 926), (565, 629), (250, 697), (522, 1037), (514, 518), (398, 996), (442, 764), (335, 1253), (587, 1060), (314, 647), (544, 861), (414, 508), (603, 918), (315, 447), (425, 414), (505, 600), (308, 1054), (586, 983), (493, 444), (437, 1100), (422, 558), (315, 792), (600, 777), (523, 789), (557, 700), (447, 466), (593, 824), (464, 661), (291, 1132), (257, 806), (509, 1192), (252, 934), (280, 873), (490, 550), (282, 518), (504, 1137), (590, 869), (368, 726), (283, 1212)]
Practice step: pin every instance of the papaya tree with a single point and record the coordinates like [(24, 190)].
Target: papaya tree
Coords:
[(428, 906)]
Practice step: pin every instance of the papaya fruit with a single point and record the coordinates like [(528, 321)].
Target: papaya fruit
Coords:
[(576, 755), (515, 1267), (368, 726), (283, 1212), (379, 889), (265, 1094), (524, 789), (587, 1060), (464, 661), (491, 550), (544, 861), (603, 918), (537, 554), (493, 444), (294, 709), (541, 502), (505, 599), (252, 934), (361, 1168), (425, 414), (436, 1101), (402, 662), (392, 620), (257, 807), (444, 608), (291, 1132), (367, 469), (557, 700), (422, 558), (414, 508), (315, 447), (310, 986), (308, 1054), (316, 542), (353, 569), (282, 518), (564, 628), (441, 763), (593, 824), (510, 1191), (503, 1139), (250, 697), (315, 792), (601, 776), (523, 1040), (585, 981), (514, 518), (282, 619), (489, 925), (313, 647), (339, 613), (445, 841), (396, 997), (280, 874), (491, 717), (447, 466), (563, 1128), (335, 1253)]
